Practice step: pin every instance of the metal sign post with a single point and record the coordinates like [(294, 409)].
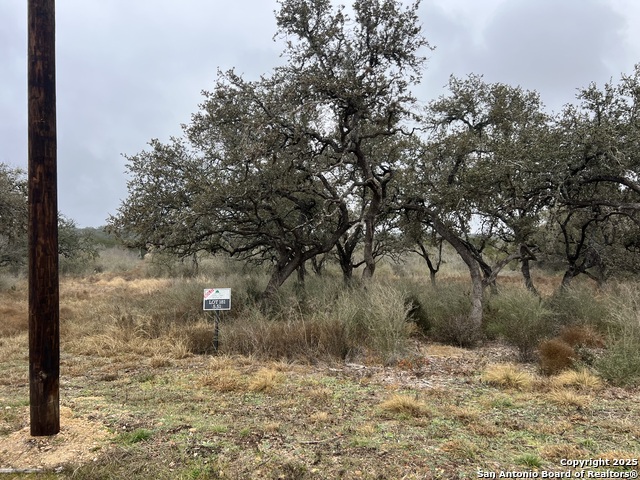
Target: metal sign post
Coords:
[(216, 300)]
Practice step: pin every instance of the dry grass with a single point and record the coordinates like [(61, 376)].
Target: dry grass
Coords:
[(581, 379), (555, 355), (633, 462), (447, 351), (568, 398), (461, 449), (224, 380), (405, 404), (265, 380), (582, 335), (128, 363), (465, 415), (320, 417), (509, 375), (14, 347), (15, 319)]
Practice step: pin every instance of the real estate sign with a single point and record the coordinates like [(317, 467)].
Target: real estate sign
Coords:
[(217, 299)]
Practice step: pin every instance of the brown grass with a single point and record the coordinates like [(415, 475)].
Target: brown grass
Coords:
[(560, 451), (460, 449), (129, 367), (266, 380), (581, 379), (582, 335), (508, 375), (224, 380), (616, 456), (555, 355), (14, 318), (568, 398), (405, 404)]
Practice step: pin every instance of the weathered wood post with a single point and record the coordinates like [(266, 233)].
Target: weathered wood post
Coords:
[(44, 315)]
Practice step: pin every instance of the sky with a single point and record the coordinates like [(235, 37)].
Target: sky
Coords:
[(128, 71)]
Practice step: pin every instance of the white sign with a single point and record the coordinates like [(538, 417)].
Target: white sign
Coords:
[(217, 299)]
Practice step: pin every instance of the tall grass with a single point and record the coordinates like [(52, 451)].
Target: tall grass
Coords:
[(579, 305), (521, 319), (442, 312), (620, 364), (130, 306), (146, 316), (326, 321)]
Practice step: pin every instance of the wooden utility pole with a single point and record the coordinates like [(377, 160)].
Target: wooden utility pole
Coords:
[(44, 312)]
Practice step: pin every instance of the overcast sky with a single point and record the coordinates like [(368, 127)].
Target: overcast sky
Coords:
[(132, 70)]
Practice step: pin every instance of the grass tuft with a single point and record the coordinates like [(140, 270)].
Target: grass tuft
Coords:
[(529, 460), (265, 380), (508, 375), (568, 398), (224, 380), (405, 404), (581, 379), (135, 436)]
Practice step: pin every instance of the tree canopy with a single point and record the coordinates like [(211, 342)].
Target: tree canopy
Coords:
[(331, 153)]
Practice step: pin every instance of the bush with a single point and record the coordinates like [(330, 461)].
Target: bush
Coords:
[(555, 355), (374, 319), (582, 336), (297, 338), (327, 321), (620, 362), (521, 319), (579, 306), (442, 312)]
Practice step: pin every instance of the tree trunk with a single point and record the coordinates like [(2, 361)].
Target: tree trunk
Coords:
[(433, 270), (568, 276), (477, 283), (369, 228), (477, 293), (302, 273), (345, 254), (526, 274), (318, 265), (283, 270)]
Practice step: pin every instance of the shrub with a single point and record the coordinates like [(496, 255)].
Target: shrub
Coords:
[(521, 319), (296, 338), (198, 338), (555, 355), (620, 363), (442, 312), (460, 331), (579, 306), (582, 336), (325, 322)]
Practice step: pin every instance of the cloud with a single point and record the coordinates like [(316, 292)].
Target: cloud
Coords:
[(549, 46), (553, 47), (129, 71)]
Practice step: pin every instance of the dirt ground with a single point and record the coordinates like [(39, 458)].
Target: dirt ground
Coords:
[(79, 441)]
